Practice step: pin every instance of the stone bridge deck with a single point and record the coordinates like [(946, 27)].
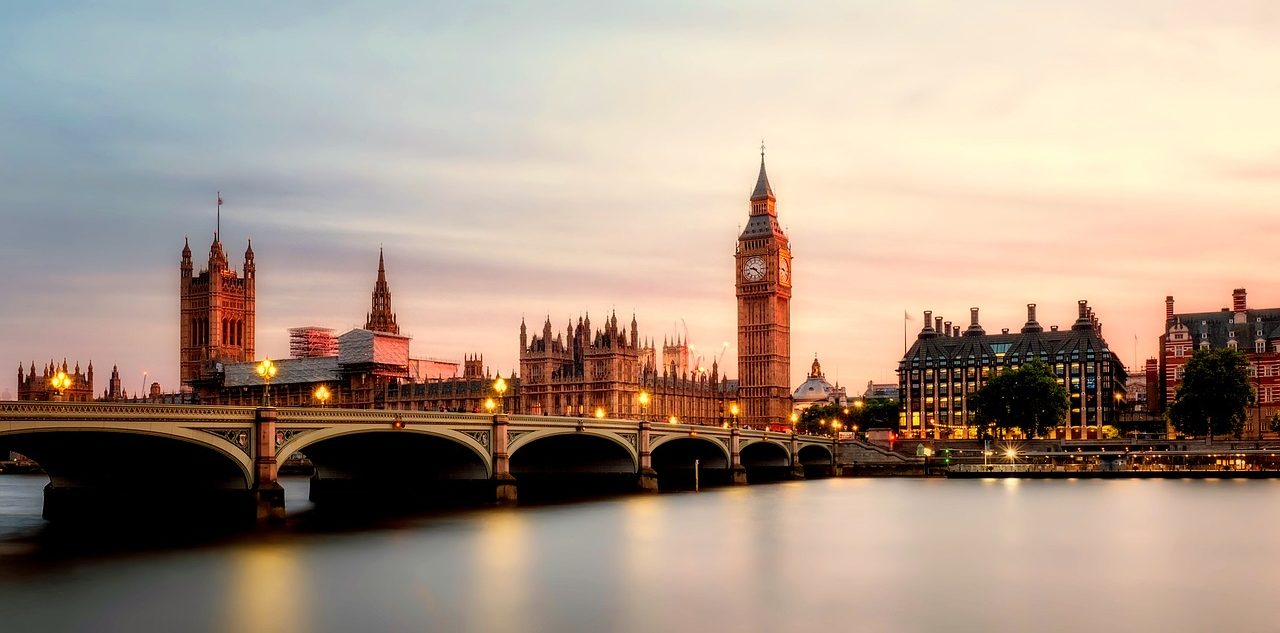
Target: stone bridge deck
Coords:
[(91, 448)]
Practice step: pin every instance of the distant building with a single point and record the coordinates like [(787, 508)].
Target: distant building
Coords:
[(885, 390), (578, 371), (368, 368), (216, 313), (815, 390), (1255, 332), (37, 386), (312, 342), (944, 368)]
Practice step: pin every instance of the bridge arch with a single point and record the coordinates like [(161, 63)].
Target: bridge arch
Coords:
[(681, 438), (765, 453), (524, 440), (299, 442), (40, 441), (814, 455)]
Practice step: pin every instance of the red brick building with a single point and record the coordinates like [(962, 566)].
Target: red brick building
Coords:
[(1256, 332)]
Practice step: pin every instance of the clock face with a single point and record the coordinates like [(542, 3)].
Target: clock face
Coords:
[(784, 270), (753, 269)]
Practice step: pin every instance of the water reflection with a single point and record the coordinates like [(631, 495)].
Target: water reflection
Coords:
[(866, 555), (267, 590)]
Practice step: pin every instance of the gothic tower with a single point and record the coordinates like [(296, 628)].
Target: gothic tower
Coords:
[(763, 263), (216, 312), (381, 318)]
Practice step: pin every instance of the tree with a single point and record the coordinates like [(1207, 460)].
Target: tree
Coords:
[(1028, 397), (1214, 395), (874, 413)]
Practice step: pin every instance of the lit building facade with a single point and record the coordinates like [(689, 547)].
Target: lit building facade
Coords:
[(579, 371), (1254, 332), (38, 386), (944, 368)]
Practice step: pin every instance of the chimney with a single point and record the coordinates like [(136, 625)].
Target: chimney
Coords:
[(948, 324), (1168, 308), (1082, 321), (956, 332), (973, 316), (937, 324), (1237, 300), (1032, 325), (928, 322), (974, 328)]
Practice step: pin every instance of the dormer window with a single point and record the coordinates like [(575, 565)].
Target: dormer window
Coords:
[(1260, 346), (1204, 344), (1232, 344)]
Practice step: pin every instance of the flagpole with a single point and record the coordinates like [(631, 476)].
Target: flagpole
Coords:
[(217, 229)]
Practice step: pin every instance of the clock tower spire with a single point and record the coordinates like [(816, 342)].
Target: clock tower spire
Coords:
[(763, 282)]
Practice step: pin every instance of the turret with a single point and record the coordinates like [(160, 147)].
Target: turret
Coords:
[(186, 266), (249, 266), (524, 336)]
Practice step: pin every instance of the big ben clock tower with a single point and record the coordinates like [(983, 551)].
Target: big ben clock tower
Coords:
[(763, 263)]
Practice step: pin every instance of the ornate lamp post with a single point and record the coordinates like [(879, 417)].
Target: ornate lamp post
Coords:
[(489, 405), (60, 381), (644, 405), (835, 444), (733, 411), (322, 395), (795, 419), (599, 413), (500, 387), (266, 370)]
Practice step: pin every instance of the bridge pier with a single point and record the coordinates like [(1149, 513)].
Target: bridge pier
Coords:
[(647, 480), (737, 472), (267, 493), (504, 484), (797, 468)]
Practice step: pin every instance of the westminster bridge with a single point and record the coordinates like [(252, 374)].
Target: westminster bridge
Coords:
[(104, 459)]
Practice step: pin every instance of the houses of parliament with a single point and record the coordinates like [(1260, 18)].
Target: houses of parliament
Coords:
[(578, 371)]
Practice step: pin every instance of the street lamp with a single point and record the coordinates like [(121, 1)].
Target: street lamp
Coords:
[(733, 411), (795, 419), (644, 404), (489, 405), (599, 413), (500, 386), (266, 370), (60, 381), (322, 394), (673, 420)]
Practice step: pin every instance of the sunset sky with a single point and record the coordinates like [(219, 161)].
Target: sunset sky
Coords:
[(559, 158)]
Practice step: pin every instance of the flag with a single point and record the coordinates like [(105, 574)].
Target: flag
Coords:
[(906, 316), (219, 199)]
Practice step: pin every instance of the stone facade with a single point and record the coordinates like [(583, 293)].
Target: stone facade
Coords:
[(1253, 331), (216, 313), (763, 282), (580, 371), (36, 386)]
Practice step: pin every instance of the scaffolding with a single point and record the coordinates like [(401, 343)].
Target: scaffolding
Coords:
[(312, 342)]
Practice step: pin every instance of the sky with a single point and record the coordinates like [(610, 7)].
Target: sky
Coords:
[(577, 157)]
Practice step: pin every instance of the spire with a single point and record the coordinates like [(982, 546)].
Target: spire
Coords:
[(381, 318), (762, 191)]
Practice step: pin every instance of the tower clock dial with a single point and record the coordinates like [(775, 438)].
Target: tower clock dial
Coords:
[(753, 269), (784, 270)]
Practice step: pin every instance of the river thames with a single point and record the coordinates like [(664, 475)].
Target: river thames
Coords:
[(826, 555)]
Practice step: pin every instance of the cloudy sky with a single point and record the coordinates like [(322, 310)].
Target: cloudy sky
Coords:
[(557, 158)]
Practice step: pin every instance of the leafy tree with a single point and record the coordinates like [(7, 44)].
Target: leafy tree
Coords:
[(1028, 397), (1214, 395), (1275, 423), (874, 413)]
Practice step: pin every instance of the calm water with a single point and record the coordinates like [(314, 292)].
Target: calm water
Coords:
[(831, 555)]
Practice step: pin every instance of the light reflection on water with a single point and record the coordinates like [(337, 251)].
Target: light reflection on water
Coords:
[(849, 554)]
